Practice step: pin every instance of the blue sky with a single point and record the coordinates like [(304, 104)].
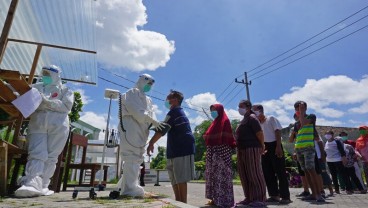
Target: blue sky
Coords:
[(200, 47)]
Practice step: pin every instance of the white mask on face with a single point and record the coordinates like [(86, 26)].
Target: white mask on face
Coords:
[(257, 113), (328, 136), (242, 111)]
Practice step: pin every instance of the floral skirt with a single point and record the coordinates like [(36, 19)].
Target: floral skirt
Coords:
[(219, 184)]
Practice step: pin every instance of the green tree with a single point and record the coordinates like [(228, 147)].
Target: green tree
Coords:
[(199, 140), (234, 124), (77, 107), (159, 162)]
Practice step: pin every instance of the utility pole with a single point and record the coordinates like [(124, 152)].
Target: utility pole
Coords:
[(245, 81)]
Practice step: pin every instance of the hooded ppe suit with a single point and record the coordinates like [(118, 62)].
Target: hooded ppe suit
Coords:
[(136, 117), (47, 133)]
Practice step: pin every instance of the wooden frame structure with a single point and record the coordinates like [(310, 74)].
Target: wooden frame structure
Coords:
[(17, 82)]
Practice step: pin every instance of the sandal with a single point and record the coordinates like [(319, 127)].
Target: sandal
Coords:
[(244, 202), (309, 198), (320, 200), (257, 204), (210, 203), (271, 199), (285, 201)]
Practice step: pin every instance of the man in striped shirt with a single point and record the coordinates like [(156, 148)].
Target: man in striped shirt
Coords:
[(304, 148)]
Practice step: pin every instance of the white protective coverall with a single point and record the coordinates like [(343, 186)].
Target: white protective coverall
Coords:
[(136, 111), (47, 134)]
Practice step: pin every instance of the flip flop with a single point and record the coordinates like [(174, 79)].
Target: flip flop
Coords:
[(271, 199)]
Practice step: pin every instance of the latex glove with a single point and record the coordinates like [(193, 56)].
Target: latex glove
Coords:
[(159, 126), (49, 103)]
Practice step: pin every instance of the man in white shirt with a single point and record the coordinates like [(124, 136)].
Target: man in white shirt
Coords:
[(273, 161)]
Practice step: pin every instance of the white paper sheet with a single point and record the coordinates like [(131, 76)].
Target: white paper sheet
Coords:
[(28, 102)]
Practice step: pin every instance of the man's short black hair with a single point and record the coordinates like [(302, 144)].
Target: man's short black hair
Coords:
[(297, 103), (247, 103), (330, 132), (176, 94), (258, 107), (343, 133)]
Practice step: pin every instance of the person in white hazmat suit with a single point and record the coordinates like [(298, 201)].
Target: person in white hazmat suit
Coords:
[(48, 131), (136, 117)]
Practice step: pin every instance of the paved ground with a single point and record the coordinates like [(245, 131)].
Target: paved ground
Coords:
[(163, 197)]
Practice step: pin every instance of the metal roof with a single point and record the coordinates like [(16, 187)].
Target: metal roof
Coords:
[(59, 26)]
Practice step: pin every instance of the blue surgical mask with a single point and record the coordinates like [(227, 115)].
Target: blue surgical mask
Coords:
[(167, 104), (147, 88), (214, 114), (46, 80)]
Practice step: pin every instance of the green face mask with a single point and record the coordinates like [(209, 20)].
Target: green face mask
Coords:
[(146, 88), (344, 138), (46, 80), (363, 132)]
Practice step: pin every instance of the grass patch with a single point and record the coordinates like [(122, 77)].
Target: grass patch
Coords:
[(35, 204), (148, 200)]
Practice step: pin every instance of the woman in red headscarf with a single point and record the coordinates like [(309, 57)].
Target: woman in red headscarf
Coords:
[(220, 142), (362, 147)]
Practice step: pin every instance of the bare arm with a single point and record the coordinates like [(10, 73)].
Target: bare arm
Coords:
[(278, 151), (153, 140), (292, 136), (260, 138), (322, 150)]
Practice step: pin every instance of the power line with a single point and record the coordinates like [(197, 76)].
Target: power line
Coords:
[(236, 86), (234, 96), (333, 42), (134, 83), (309, 46), (225, 89), (355, 13), (117, 75), (147, 95), (308, 39)]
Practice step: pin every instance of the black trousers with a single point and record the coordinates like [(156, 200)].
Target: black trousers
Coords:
[(275, 173), (338, 167), (352, 178)]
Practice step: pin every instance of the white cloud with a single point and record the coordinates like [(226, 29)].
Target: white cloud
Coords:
[(157, 110), (98, 121), (196, 121), (361, 109), (121, 44), (324, 97), (324, 122), (233, 114), (203, 100), (338, 89)]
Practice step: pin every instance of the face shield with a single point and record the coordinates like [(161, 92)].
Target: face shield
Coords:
[(51, 75)]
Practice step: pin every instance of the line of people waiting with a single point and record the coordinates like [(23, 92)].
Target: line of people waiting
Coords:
[(261, 160)]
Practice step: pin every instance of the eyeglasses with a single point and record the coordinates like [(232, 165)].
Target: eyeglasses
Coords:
[(149, 79)]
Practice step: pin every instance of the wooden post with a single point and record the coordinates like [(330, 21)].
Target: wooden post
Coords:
[(3, 168), (6, 29), (34, 64)]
